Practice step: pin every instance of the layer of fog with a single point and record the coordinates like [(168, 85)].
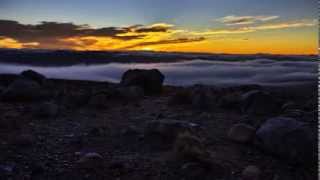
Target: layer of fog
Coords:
[(260, 71)]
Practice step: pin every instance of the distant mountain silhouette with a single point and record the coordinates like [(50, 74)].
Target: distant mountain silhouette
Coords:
[(69, 57)]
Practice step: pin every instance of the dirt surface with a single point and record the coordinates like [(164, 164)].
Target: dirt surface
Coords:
[(36, 147)]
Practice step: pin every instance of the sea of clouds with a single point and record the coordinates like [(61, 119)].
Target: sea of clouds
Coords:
[(259, 71)]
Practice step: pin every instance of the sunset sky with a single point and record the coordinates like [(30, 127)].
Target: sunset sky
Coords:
[(214, 26)]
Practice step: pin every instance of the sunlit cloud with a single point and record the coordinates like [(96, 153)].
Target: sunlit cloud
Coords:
[(219, 32), (92, 43), (244, 20), (9, 43), (303, 23), (12, 43), (166, 41), (249, 29)]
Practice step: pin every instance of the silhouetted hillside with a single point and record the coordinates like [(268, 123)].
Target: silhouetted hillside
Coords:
[(66, 57)]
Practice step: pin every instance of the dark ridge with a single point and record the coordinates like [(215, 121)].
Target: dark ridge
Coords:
[(68, 57)]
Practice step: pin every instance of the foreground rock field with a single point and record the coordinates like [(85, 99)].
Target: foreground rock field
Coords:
[(142, 130)]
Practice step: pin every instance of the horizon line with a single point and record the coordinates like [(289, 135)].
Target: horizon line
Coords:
[(164, 52)]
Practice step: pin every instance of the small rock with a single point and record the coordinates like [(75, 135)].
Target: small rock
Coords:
[(249, 87), (204, 116), (98, 101), (131, 130), (37, 169), (47, 109), (259, 102), (251, 173), (73, 99), (230, 101), (169, 129), (182, 97), (9, 123), (293, 113), (200, 102), (241, 133), (311, 117), (188, 147), (204, 171), (118, 168), (6, 169), (192, 171), (117, 165), (97, 131), (311, 104), (289, 106), (2, 88), (90, 160), (201, 99), (24, 140), (35, 76), (78, 153)]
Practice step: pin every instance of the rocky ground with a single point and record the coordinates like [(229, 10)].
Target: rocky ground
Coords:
[(139, 129)]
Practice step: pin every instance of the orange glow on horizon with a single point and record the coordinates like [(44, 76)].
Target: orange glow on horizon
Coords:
[(221, 46), (280, 38)]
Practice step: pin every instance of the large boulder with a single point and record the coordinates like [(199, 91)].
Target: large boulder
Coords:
[(35, 76), (289, 139), (23, 89), (259, 102), (150, 80)]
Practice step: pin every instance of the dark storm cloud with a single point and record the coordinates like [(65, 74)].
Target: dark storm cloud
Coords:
[(107, 31), (52, 34), (113, 32), (44, 30), (52, 31)]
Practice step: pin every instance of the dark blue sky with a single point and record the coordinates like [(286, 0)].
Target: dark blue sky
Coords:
[(189, 13)]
